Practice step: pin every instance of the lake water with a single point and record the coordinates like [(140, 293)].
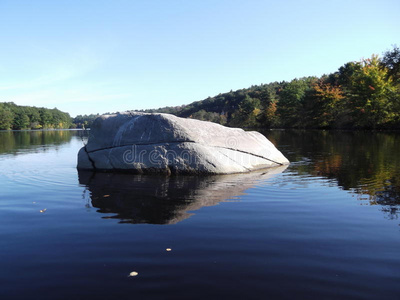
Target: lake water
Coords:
[(325, 227)]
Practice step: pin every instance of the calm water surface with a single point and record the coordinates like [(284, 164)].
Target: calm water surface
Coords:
[(325, 227)]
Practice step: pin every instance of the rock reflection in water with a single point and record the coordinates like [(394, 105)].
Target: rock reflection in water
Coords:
[(164, 200)]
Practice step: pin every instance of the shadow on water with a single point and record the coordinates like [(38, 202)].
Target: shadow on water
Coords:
[(150, 199), (28, 141), (363, 162)]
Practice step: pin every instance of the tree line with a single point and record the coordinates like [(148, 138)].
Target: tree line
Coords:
[(84, 121), (360, 95), (17, 117)]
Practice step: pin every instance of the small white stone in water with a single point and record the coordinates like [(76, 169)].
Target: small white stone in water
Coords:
[(132, 274)]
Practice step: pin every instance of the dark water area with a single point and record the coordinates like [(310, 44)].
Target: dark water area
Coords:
[(324, 227)]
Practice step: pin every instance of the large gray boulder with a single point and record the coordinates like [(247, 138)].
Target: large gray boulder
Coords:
[(163, 143)]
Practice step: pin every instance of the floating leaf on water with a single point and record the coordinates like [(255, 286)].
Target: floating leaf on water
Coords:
[(105, 196), (43, 210), (132, 274)]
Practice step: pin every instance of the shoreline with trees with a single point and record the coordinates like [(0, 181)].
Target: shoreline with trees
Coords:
[(16, 117), (360, 95)]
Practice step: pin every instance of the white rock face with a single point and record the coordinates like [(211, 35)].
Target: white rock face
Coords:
[(163, 143)]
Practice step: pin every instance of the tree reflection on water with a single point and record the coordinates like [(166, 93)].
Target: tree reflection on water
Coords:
[(366, 163), (28, 141)]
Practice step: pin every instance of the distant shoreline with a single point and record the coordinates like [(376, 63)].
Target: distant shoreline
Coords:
[(50, 129), (244, 128)]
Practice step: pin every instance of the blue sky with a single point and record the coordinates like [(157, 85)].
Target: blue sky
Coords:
[(105, 56)]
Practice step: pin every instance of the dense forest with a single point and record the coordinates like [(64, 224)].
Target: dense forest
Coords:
[(17, 117), (84, 121), (361, 95)]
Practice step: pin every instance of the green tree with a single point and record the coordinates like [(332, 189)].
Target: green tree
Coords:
[(34, 118), (291, 105), (346, 73), (21, 121), (199, 115), (6, 118), (371, 95), (45, 118), (328, 104), (391, 61), (85, 121), (269, 117), (248, 113)]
